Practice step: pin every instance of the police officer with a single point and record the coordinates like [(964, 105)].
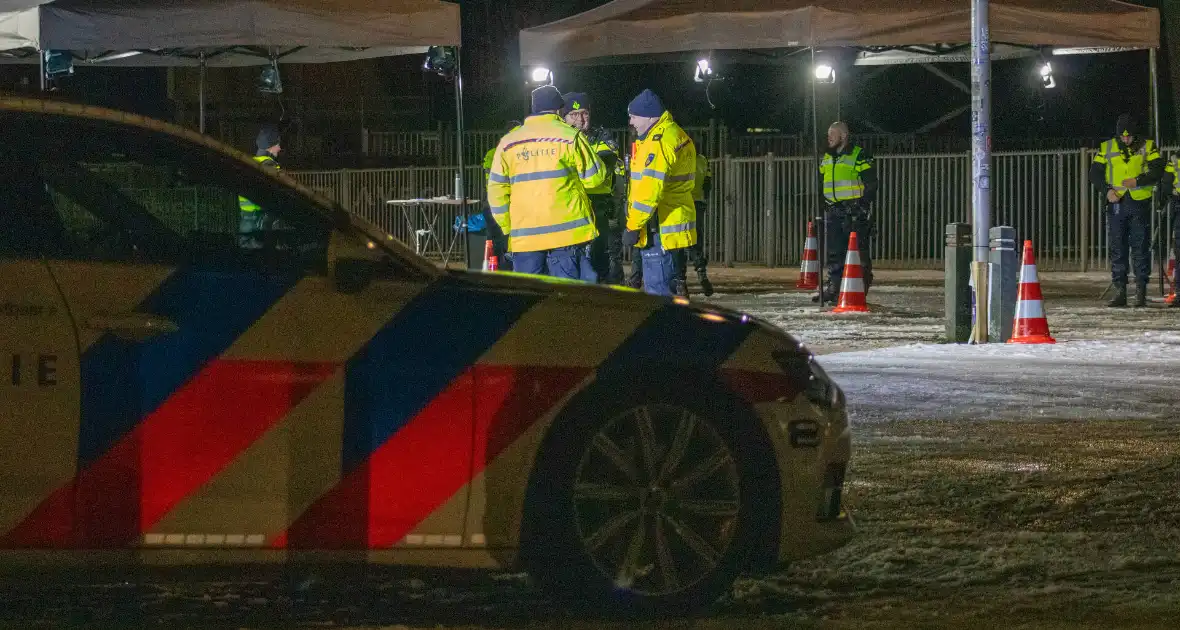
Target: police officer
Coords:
[(1127, 167), (606, 252), (537, 192), (703, 185), (661, 217), (254, 222), (494, 233), (1172, 175), (848, 185)]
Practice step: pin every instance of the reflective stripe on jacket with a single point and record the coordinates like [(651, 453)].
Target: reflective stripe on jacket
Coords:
[(245, 205), (1119, 167), (842, 180), (537, 185), (663, 175)]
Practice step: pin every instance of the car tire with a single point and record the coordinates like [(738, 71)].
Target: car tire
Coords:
[(612, 532)]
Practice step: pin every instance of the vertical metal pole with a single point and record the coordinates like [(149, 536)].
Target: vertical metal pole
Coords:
[(201, 95), (819, 209), (1162, 217), (459, 147), (981, 123), (41, 64)]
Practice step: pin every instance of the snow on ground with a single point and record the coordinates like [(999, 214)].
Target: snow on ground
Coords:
[(894, 365), (1076, 380)]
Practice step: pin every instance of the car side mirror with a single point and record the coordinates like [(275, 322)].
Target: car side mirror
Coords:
[(353, 275)]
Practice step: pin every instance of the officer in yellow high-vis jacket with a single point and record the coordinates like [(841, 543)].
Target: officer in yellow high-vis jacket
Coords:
[(606, 252), (254, 222), (537, 192), (848, 185), (1127, 168), (661, 216)]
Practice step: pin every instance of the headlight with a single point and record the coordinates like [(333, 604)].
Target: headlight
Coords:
[(819, 387)]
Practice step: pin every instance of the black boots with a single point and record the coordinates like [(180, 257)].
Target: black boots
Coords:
[(1140, 295), (706, 285), (1120, 296)]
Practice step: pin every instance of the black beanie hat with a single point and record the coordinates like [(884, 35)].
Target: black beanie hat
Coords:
[(547, 99), (268, 136)]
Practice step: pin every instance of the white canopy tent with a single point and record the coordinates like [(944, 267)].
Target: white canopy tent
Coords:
[(205, 33), (645, 27), (883, 31)]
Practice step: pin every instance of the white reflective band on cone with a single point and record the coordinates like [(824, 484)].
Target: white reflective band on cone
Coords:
[(1030, 309), (1028, 274), (853, 285)]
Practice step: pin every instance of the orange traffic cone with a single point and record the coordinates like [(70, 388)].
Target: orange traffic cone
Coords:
[(1030, 325), (493, 263), (1171, 277), (809, 269), (852, 287), (488, 250)]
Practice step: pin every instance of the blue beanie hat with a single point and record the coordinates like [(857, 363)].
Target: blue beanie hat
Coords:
[(268, 136), (547, 99), (575, 101), (647, 104)]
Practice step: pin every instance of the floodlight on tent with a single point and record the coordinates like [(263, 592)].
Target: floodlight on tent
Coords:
[(442, 60), (1047, 75), (825, 73), (270, 81), (703, 71), (541, 75), (58, 63)]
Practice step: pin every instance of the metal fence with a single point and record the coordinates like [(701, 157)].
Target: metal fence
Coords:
[(759, 207), (438, 146)]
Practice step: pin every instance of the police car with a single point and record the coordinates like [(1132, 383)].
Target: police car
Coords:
[(170, 398)]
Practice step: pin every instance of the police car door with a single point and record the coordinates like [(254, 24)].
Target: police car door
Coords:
[(233, 397), (38, 359)]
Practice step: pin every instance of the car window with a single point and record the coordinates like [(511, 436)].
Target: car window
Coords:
[(119, 193)]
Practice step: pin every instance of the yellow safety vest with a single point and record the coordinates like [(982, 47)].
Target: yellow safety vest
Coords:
[(245, 205), (537, 185), (663, 174), (704, 171), (1119, 167), (1173, 167), (607, 187), (842, 180)]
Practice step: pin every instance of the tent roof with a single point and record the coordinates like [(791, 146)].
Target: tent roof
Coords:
[(647, 27), (232, 32)]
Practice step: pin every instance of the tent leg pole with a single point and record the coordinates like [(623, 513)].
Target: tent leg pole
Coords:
[(201, 94), (818, 207), (461, 194), (41, 65)]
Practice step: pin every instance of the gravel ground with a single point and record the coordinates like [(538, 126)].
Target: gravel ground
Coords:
[(1060, 521)]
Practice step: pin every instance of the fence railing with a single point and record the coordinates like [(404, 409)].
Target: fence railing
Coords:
[(438, 146), (759, 207)]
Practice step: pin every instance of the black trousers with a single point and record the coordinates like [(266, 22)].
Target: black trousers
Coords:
[(1129, 224), (606, 251), (842, 220)]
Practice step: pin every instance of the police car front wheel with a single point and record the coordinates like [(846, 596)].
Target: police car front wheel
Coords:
[(648, 507)]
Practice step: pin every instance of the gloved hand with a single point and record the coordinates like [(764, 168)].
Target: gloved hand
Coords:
[(630, 238)]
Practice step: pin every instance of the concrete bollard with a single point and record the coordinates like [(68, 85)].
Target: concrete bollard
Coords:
[(957, 259), (1003, 282)]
